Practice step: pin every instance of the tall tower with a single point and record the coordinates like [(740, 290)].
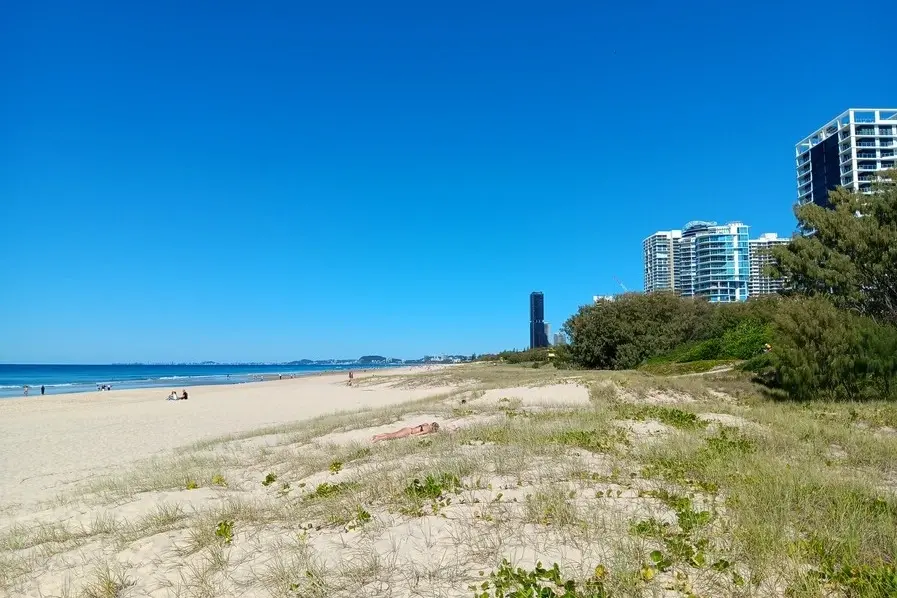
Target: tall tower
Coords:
[(537, 336), (846, 152)]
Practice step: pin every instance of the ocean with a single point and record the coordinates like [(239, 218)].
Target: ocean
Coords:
[(59, 379)]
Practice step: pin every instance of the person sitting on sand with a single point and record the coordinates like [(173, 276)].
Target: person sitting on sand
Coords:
[(184, 398), (173, 396), (419, 430)]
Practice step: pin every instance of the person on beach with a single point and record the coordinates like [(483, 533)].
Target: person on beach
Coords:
[(26, 390), (42, 389), (184, 398), (173, 396), (418, 430), (351, 377)]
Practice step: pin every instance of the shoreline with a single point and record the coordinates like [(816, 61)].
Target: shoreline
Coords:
[(8, 392), (51, 442)]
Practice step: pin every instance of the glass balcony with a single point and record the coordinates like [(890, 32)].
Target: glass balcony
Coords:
[(866, 167), (866, 155), (865, 131), (866, 143)]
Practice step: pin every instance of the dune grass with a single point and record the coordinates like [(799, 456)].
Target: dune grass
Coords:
[(798, 501)]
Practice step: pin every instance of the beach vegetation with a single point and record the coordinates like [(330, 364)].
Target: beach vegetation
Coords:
[(224, 531), (108, 581), (539, 582), (740, 496), (269, 479)]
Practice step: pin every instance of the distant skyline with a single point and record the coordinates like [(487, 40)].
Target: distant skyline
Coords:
[(233, 182)]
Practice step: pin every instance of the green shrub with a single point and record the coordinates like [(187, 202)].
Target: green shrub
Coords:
[(703, 351), (823, 352), (746, 340)]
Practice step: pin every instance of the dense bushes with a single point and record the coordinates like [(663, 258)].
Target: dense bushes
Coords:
[(665, 328), (824, 352), (557, 354)]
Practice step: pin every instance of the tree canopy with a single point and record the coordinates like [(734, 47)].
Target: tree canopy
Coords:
[(847, 253)]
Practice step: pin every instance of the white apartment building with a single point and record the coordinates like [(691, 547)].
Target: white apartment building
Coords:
[(660, 263), (847, 151), (761, 284), (709, 260)]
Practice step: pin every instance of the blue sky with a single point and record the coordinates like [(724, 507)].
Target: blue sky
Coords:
[(270, 181)]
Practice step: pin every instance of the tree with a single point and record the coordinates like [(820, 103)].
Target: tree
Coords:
[(621, 334), (823, 352), (847, 253)]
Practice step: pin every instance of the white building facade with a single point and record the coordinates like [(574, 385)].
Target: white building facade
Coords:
[(709, 260), (660, 263), (848, 151), (760, 258)]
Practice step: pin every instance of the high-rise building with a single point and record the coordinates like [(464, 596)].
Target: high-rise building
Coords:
[(659, 251), (846, 152), (684, 255), (760, 258), (560, 339), (537, 336), (703, 259), (722, 263)]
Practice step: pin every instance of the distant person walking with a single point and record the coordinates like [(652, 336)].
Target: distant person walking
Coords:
[(42, 390), (26, 390)]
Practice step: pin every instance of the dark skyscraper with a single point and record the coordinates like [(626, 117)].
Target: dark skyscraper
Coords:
[(537, 336)]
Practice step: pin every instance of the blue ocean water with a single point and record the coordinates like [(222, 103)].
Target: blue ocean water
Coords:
[(59, 379)]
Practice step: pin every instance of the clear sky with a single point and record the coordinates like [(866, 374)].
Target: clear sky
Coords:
[(272, 181)]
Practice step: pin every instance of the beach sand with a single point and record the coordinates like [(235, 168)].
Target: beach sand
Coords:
[(47, 443), (275, 489)]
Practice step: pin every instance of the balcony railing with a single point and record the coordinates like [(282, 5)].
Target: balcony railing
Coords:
[(866, 167), (866, 143), (867, 155), (865, 131)]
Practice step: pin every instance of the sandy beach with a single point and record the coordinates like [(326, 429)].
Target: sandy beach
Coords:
[(46, 443), (277, 489)]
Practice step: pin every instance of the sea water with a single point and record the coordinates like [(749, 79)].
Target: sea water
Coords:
[(83, 378)]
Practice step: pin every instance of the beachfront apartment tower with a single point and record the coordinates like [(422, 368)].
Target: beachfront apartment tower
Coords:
[(703, 259), (760, 284), (847, 151), (722, 263), (537, 330), (660, 264)]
